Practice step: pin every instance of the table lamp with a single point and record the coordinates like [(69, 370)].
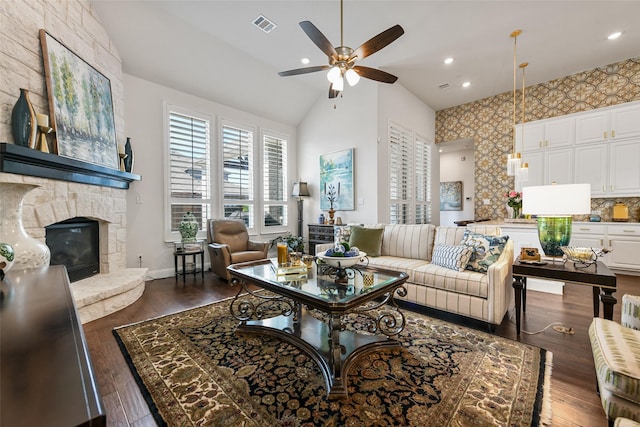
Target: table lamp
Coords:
[(300, 190), (554, 206)]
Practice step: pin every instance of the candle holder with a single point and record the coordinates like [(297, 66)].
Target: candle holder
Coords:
[(122, 157)]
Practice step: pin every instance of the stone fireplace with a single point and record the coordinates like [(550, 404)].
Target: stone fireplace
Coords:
[(57, 200)]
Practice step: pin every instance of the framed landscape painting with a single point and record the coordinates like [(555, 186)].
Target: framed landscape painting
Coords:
[(336, 180), (451, 196), (80, 105)]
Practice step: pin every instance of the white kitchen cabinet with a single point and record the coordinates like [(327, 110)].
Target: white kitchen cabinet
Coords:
[(624, 243), (558, 166), (592, 167), (590, 235), (610, 124), (548, 133), (624, 168), (535, 159)]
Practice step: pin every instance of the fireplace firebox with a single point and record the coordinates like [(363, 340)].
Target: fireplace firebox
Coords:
[(75, 243)]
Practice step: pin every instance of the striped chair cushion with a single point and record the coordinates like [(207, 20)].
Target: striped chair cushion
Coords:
[(616, 354), (452, 257), (460, 282), (630, 311), (408, 241)]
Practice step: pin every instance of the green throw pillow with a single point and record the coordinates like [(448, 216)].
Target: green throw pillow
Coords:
[(368, 240)]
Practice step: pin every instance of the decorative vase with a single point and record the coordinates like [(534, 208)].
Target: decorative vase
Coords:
[(24, 125), (331, 213), (188, 228), (128, 161), (7, 256), (29, 252)]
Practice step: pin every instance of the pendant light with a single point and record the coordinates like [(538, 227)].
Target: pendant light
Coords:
[(514, 159), (523, 173)]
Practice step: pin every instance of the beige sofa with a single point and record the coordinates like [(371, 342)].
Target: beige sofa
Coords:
[(409, 248)]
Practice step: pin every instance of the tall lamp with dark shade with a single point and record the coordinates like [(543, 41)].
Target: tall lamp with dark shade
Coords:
[(300, 190), (554, 205)]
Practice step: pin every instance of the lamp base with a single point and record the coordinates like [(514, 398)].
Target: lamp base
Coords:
[(553, 233)]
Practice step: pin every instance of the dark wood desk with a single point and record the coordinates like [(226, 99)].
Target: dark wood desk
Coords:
[(597, 276), (46, 376)]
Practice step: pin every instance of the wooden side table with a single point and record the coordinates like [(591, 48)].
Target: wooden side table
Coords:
[(181, 251), (597, 275)]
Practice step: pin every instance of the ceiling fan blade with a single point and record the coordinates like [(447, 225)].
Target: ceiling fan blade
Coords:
[(375, 74), (376, 43), (318, 38), (333, 93), (304, 70)]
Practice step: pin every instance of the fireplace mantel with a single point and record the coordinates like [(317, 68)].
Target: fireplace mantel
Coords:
[(26, 161)]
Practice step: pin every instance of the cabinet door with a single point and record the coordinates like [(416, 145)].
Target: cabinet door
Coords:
[(536, 168), (591, 166), (625, 253), (533, 137), (559, 133), (558, 166), (624, 173), (592, 127), (625, 122)]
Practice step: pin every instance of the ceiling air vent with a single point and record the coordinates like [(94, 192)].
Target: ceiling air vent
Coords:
[(264, 24), (444, 86)]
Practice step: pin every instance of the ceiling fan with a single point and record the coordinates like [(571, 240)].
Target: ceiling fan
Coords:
[(342, 59)]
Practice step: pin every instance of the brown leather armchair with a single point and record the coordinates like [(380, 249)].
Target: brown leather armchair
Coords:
[(228, 243)]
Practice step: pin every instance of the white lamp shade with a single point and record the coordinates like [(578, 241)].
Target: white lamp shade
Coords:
[(334, 74), (338, 84), (352, 77), (557, 200)]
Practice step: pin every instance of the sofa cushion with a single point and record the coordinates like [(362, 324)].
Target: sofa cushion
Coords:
[(368, 240), (408, 241), (403, 265), (461, 282), (452, 257), (485, 250)]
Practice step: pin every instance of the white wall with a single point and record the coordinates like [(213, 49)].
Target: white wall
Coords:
[(459, 166), (359, 120), (145, 124)]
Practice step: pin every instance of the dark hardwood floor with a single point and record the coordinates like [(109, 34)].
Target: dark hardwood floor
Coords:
[(574, 400)]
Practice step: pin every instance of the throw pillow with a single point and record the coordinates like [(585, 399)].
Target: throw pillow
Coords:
[(451, 257), (368, 240), (485, 250)]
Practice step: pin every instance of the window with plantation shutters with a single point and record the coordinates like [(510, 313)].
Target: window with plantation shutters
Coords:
[(409, 177), (189, 168), (238, 173), (275, 194)]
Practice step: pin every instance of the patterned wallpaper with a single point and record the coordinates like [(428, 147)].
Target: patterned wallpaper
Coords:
[(489, 122)]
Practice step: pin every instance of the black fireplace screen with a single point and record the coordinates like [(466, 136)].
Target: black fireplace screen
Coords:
[(75, 243)]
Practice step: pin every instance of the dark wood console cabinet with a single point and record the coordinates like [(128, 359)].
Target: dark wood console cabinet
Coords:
[(319, 234), (46, 377)]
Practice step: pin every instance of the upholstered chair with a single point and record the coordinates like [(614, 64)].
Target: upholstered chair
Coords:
[(228, 243), (616, 353)]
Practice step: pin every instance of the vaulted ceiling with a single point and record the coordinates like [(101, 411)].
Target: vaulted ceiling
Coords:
[(212, 49)]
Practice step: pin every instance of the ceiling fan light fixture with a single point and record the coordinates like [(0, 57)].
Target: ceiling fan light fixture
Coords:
[(338, 85), (352, 77), (334, 74)]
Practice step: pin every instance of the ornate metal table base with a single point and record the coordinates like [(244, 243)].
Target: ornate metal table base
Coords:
[(311, 330)]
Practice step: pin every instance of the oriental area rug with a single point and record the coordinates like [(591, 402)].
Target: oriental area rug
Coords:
[(195, 370)]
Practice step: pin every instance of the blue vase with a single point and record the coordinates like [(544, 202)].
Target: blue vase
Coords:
[(24, 125)]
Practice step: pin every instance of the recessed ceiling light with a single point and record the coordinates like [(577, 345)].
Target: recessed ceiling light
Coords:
[(615, 35), (305, 61), (466, 84), (448, 61)]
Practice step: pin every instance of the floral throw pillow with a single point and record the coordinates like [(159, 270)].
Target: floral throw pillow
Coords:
[(485, 250), (451, 257)]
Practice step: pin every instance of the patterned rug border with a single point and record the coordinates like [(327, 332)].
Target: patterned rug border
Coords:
[(542, 405)]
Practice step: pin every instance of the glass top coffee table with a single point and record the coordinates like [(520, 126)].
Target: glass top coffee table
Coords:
[(308, 309)]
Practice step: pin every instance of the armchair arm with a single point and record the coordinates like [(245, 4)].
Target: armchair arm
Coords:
[(259, 246), (321, 247), (500, 285), (630, 317), (220, 258)]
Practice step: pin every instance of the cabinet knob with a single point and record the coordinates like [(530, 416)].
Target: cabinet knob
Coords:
[(601, 242), (629, 231), (613, 134), (584, 229), (546, 143), (605, 134)]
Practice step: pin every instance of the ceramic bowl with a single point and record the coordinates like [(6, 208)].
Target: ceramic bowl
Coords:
[(341, 262)]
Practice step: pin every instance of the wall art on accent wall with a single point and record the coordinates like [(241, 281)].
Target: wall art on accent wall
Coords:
[(336, 178), (451, 196), (80, 106)]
